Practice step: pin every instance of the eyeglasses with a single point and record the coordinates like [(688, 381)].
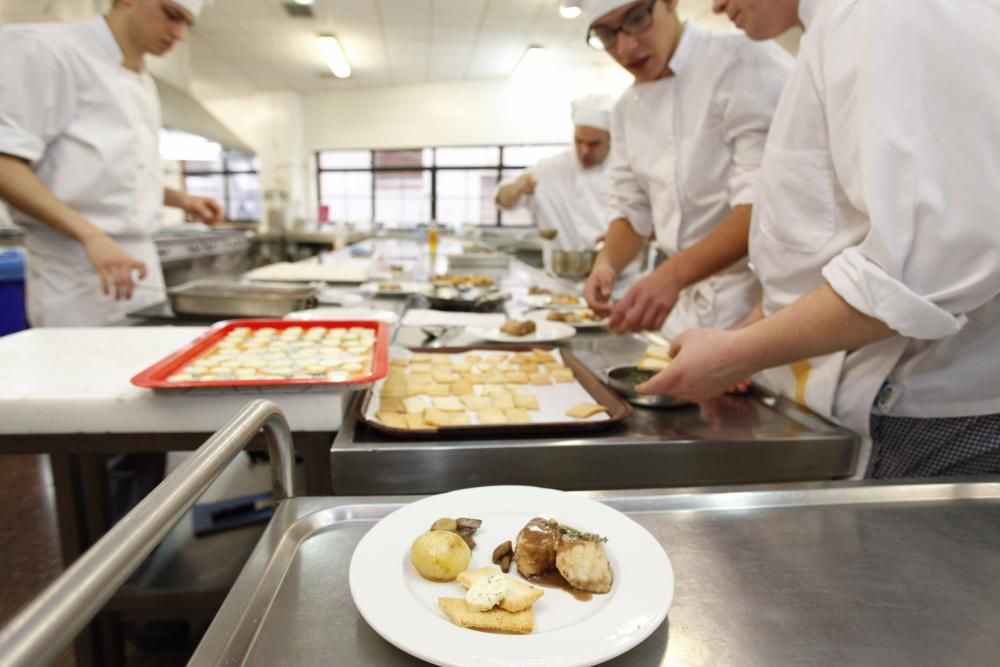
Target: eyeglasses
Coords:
[(636, 20)]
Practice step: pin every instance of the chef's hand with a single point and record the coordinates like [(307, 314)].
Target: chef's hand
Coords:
[(706, 364), (645, 306), (205, 209), (114, 265), (597, 290), (526, 183)]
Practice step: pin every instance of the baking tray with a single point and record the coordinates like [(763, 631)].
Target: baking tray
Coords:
[(618, 409), (234, 299), (838, 573), (155, 377)]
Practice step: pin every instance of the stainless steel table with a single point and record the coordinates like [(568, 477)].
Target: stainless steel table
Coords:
[(735, 440), (842, 573)]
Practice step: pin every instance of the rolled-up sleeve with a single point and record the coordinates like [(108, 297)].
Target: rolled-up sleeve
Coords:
[(627, 198), (916, 145), (36, 94), (749, 94)]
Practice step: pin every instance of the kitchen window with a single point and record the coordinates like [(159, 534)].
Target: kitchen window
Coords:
[(234, 180), (404, 188)]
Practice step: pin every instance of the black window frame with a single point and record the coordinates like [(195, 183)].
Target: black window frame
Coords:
[(225, 172), (433, 168)]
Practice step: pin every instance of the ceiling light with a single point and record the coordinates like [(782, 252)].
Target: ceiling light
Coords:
[(303, 2), (569, 9), (534, 65), (335, 57)]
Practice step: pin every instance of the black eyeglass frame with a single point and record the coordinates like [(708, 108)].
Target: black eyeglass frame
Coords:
[(599, 44)]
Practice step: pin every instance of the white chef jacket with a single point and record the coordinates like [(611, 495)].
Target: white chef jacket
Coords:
[(685, 151), (569, 199), (878, 178), (89, 127)]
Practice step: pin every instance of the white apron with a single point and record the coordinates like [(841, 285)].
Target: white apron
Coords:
[(63, 289)]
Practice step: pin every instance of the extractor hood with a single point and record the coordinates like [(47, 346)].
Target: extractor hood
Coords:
[(183, 112)]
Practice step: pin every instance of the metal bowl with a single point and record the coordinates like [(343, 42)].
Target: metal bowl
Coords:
[(622, 380), (472, 299), (573, 264)]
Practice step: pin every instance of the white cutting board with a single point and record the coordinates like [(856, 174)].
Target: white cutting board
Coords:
[(309, 272), (77, 380)]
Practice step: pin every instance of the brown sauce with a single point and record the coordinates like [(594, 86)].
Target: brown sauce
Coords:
[(552, 579)]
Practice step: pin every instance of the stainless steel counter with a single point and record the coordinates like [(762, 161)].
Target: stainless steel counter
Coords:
[(820, 574), (735, 440)]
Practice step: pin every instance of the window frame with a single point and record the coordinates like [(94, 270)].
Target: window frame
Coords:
[(433, 168), (226, 172)]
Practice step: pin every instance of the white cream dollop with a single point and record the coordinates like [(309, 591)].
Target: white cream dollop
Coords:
[(488, 592)]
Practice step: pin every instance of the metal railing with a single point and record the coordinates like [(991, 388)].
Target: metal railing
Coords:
[(39, 634)]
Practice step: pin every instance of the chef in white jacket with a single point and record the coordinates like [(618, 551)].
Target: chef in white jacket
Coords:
[(568, 192), (79, 158), (686, 142), (875, 236)]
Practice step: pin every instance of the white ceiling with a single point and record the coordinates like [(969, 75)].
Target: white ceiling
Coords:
[(240, 47)]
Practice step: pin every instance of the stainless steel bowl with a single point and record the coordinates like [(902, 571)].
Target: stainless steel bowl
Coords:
[(621, 379), (472, 299), (573, 264)]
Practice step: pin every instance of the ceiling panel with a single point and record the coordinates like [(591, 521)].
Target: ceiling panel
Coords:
[(242, 45)]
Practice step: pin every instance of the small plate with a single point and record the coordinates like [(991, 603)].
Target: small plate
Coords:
[(406, 287), (402, 607), (545, 301), (618, 378), (544, 333), (542, 315)]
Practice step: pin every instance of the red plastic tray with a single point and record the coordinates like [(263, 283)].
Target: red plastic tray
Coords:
[(155, 377)]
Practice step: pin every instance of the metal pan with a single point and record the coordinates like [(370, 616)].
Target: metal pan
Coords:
[(472, 299), (234, 299), (620, 379)]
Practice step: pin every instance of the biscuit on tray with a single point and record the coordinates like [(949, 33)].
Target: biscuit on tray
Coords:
[(585, 410)]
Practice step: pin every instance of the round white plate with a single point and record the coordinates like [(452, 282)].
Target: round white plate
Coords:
[(405, 288), (340, 314), (545, 301), (401, 606), (543, 316), (545, 332)]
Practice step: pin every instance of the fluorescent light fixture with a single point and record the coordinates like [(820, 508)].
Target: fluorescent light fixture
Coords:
[(533, 66), (568, 9), (303, 2), (335, 57), (178, 145)]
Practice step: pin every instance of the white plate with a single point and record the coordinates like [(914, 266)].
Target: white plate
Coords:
[(545, 301), (543, 316), (401, 606), (405, 287), (342, 314), (545, 332)]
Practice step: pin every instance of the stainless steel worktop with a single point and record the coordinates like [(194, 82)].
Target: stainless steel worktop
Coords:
[(735, 440), (811, 574)]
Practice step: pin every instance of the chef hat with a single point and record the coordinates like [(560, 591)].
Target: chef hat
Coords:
[(593, 111), (595, 9), (193, 6)]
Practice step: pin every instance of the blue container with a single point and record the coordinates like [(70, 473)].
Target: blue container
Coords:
[(12, 317)]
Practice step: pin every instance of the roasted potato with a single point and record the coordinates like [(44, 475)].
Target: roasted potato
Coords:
[(439, 555)]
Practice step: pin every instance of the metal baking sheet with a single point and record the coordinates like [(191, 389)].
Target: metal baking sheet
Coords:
[(618, 409), (156, 376), (233, 299), (811, 574)]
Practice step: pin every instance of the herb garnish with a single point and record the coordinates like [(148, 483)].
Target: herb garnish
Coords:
[(574, 534)]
